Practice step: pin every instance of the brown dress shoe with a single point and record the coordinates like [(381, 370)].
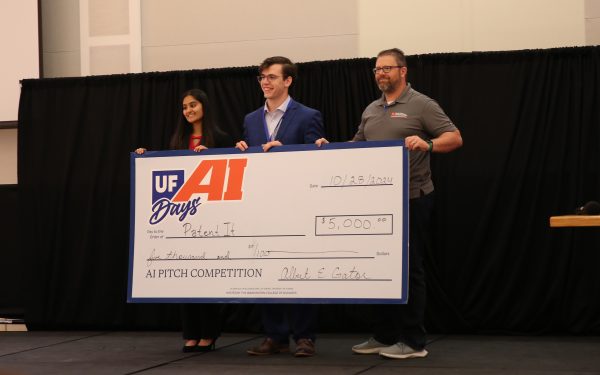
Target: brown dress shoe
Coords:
[(304, 348), (269, 347)]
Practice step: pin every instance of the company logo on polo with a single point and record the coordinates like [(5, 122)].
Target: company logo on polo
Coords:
[(173, 195), (398, 115)]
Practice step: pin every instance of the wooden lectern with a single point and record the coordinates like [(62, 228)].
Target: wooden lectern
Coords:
[(575, 221)]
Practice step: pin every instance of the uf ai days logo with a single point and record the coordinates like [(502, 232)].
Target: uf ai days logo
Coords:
[(172, 195)]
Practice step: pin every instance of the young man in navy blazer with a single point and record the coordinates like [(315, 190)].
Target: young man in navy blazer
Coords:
[(283, 121)]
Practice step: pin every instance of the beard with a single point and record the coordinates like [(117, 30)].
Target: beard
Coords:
[(384, 86), (387, 85)]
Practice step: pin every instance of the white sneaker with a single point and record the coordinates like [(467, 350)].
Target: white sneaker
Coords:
[(370, 346), (402, 351)]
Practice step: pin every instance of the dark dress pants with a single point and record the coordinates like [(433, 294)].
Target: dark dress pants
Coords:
[(405, 323), (281, 319)]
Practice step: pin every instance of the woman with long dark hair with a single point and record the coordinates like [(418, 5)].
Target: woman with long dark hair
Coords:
[(197, 130), (203, 132)]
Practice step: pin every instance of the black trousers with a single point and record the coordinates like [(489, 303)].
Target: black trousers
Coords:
[(201, 320), (405, 323)]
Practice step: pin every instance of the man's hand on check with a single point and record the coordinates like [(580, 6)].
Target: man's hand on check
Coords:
[(268, 145)]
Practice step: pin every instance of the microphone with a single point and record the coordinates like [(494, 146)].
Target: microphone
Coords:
[(590, 208)]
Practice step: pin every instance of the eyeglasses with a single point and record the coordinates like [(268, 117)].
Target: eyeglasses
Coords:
[(386, 69), (269, 77)]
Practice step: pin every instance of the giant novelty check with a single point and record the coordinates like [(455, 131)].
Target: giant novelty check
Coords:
[(296, 224)]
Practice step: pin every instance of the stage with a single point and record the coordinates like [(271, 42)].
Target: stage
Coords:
[(89, 353)]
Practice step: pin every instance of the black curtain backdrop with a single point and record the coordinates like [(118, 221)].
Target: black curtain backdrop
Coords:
[(530, 121)]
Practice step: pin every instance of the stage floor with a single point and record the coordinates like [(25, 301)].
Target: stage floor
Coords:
[(112, 353)]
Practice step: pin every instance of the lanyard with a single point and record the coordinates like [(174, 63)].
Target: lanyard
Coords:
[(272, 136)]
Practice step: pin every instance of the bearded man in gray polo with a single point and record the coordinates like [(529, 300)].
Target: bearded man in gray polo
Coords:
[(404, 113)]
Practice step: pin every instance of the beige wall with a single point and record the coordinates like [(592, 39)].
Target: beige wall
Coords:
[(8, 155), (60, 38), (592, 22), (195, 34), (242, 33), (427, 26)]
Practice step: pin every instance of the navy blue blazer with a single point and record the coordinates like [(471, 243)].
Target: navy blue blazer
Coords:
[(300, 124)]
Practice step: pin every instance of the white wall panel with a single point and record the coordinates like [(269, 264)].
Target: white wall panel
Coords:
[(105, 29), (108, 17)]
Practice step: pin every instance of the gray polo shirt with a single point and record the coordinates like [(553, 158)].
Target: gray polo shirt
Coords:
[(411, 114)]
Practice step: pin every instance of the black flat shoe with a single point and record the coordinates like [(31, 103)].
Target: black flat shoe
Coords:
[(207, 348)]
